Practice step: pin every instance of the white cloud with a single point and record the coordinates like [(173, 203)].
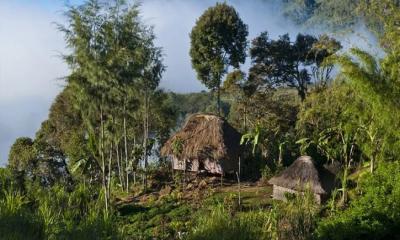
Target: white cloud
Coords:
[(29, 69)]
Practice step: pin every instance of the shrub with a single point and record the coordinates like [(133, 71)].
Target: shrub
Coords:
[(219, 224), (16, 219), (297, 218), (374, 215)]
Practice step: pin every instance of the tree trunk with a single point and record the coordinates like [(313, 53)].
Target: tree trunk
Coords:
[(134, 161), (219, 100), (102, 158), (126, 149), (344, 185), (302, 94), (120, 172), (348, 161), (245, 119), (109, 172), (145, 138)]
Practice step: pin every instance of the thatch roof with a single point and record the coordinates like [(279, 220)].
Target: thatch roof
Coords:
[(205, 136), (300, 174)]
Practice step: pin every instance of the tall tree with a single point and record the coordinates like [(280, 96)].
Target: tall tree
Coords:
[(218, 40), (281, 62), (148, 82), (323, 67), (112, 60)]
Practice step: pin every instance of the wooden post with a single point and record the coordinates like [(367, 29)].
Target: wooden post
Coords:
[(222, 175)]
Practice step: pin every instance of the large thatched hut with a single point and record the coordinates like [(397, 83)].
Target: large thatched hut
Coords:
[(206, 143), (299, 176)]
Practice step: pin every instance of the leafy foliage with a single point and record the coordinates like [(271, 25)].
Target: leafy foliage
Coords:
[(283, 63), (374, 214), (218, 41)]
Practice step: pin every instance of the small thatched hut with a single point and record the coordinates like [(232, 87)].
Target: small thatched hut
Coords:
[(303, 173), (205, 143)]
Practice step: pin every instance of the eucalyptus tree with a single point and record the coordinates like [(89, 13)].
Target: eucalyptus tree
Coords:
[(88, 77), (151, 73), (126, 36), (218, 40), (112, 56)]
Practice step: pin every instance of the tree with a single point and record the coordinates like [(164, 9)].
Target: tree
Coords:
[(112, 54), (330, 122), (379, 90), (322, 50), (37, 161), (333, 14), (283, 63), (51, 166), (22, 154), (218, 40), (149, 80), (236, 86), (299, 11), (276, 112)]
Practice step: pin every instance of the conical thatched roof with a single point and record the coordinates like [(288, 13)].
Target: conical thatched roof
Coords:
[(299, 175), (205, 136)]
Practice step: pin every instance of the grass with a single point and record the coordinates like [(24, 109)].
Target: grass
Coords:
[(168, 217), (252, 197), (155, 219)]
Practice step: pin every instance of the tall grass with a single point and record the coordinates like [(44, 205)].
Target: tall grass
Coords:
[(294, 219), (220, 224), (16, 219), (55, 213)]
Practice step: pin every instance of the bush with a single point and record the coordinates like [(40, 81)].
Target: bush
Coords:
[(298, 217), (374, 215), (220, 225), (294, 219), (16, 219), (55, 213)]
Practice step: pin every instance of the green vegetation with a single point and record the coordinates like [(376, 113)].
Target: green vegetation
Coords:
[(93, 170), (217, 41)]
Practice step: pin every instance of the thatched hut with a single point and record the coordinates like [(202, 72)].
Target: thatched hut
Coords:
[(302, 174), (206, 143)]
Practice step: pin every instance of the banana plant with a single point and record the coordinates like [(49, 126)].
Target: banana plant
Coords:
[(336, 143), (254, 137), (280, 158)]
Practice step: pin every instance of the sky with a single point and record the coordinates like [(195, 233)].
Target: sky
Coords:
[(31, 70)]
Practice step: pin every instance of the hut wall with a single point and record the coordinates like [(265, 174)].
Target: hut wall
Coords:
[(213, 167), (192, 166), (210, 166), (278, 193)]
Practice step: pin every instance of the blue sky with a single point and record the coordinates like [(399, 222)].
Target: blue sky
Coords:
[(30, 69)]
